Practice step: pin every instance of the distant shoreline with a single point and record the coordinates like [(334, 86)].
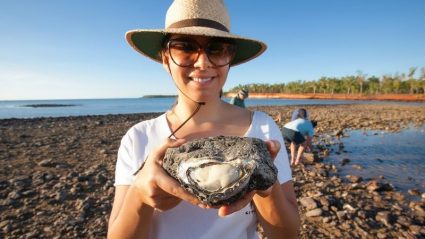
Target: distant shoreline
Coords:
[(49, 105), (319, 96), (159, 96)]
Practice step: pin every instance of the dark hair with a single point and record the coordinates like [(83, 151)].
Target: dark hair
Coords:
[(302, 113), (244, 92), (314, 123)]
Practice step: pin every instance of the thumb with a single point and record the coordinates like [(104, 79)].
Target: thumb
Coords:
[(159, 152), (274, 147)]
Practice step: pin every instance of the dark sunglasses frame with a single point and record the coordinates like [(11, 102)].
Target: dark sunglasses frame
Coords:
[(231, 49)]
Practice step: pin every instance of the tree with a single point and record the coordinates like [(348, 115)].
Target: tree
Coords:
[(373, 85), (360, 80), (411, 80)]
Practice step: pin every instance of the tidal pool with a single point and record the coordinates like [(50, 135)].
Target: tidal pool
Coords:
[(398, 157)]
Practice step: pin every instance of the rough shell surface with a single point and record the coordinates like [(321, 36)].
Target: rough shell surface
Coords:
[(220, 170)]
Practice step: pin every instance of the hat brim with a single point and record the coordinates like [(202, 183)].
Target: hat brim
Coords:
[(148, 42)]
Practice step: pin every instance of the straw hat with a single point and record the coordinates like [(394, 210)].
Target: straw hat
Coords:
[(194, 17)]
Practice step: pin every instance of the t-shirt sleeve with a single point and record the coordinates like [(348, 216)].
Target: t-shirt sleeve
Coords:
[(270, 130), (310, 129), (281, 161), (126, 164)]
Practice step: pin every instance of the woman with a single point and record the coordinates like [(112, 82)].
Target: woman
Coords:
[(197, 50), (299, 133)]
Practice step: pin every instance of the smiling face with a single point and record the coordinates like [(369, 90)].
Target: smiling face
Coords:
[(198, 75)]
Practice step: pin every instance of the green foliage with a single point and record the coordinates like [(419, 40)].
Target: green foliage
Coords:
[(352, 84)]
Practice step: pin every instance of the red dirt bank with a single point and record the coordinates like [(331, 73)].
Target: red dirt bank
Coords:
[(395, 97)]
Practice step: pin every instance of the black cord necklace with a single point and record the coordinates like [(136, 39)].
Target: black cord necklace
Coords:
[(198, 107)]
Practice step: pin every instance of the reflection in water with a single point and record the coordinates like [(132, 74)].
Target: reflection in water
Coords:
[(398, 157)]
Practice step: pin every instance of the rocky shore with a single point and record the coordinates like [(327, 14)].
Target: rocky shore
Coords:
[(57, 174)]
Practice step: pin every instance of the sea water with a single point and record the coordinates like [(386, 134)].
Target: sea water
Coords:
[(396, 157), (59, 108)]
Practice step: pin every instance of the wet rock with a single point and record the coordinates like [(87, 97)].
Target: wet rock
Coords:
[(377, 186), (358, 167), (414, 192), (354, 178), (345, 161)]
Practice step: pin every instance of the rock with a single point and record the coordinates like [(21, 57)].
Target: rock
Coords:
[(14, 195), (324, 201), (326, 219), (310, 158), (61, 195), (398, 196), (377, 186), (354, 178), (308, 203), (358, 167), (345, 161), (415, 229), (381, 235), (314, 213), (341, 215), (219, 170), (414, 192), (405, 221), (47, 163), (348, 207), (383, 217), (4, 223)]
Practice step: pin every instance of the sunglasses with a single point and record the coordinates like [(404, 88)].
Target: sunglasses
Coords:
[(186, 52)]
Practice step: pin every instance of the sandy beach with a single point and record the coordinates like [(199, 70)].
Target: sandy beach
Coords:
[(57, 175)]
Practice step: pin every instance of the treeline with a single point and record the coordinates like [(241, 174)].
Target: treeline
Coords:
[(404, 83)]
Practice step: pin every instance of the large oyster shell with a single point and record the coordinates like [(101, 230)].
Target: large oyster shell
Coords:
[(220, 170)]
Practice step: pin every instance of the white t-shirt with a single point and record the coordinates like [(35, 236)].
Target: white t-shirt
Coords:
[(185, 220)]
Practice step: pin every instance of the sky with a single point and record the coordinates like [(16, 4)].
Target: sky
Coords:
[(58, 49)]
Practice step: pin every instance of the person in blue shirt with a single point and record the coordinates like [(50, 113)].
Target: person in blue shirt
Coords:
[(239, 99), (299, 132)]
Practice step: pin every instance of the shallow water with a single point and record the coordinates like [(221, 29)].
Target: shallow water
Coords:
[(20, 109), (398, 157)]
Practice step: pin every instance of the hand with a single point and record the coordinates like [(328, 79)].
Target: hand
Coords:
[(155, 187), (273, 146)]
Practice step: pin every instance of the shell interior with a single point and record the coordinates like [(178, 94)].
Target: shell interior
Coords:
[(215, 177)]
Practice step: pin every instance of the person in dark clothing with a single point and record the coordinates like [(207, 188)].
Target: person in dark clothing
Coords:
[(239, 99)]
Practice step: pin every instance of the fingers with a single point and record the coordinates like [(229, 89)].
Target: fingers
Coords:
[(171, 186), (168, 143), (264, 193), (236, 206), (274, 147)]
